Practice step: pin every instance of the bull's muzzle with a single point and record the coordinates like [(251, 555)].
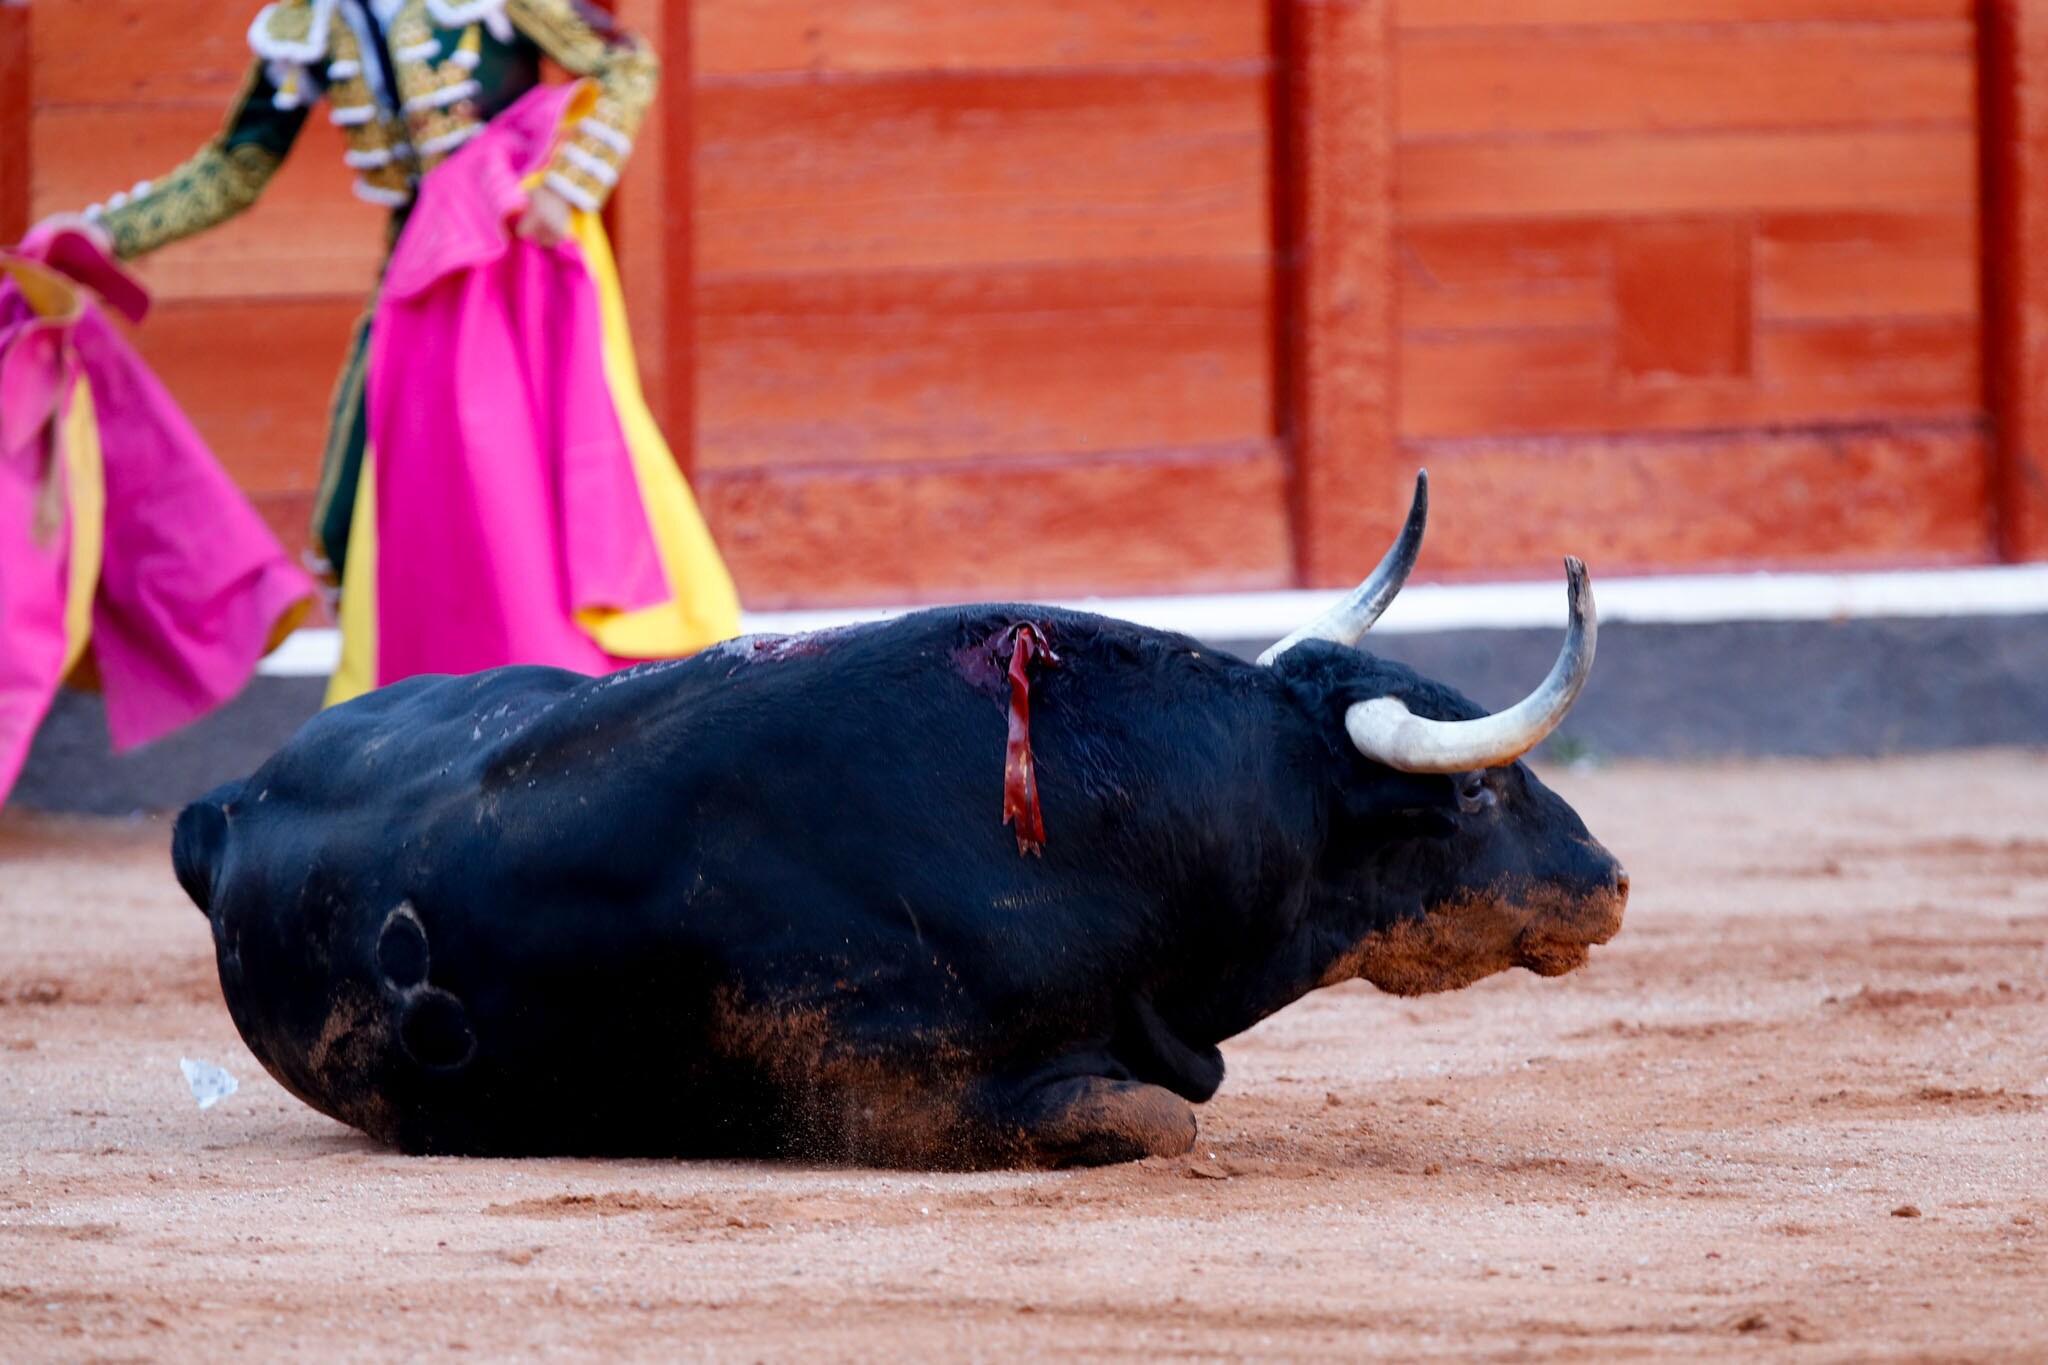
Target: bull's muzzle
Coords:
[(1559, 938)]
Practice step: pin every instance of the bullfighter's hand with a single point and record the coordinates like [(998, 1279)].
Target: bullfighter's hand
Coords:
[(546, 220)]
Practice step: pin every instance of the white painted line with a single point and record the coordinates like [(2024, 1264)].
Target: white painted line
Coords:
[(304, 654), (1689, 599)]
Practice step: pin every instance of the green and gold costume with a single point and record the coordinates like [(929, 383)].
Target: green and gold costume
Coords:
[(408, 82)]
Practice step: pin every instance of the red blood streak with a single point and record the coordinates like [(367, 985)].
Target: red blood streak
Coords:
[(1020, 770)]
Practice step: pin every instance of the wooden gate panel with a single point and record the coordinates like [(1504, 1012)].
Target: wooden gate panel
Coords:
[(17, 111), (1844, 498), (1059, 527), (2016, 284), (777, 37), (1453, 278), (1577, 383), (159, 53), (1037, 296), (1686, 269), (1816, 267), (1717, 172), (985, 298), (926, 169), (255, 376), (838, 367), (1658, 77), (1568, 13), (310, 238), (1336, 235)]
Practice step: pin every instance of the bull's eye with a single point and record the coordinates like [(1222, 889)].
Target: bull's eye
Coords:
[(1475, 794)]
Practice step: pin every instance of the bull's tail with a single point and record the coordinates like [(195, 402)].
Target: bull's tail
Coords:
[(199, 844)]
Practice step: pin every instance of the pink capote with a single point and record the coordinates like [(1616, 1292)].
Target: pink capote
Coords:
[(192, 584), (505, 492)]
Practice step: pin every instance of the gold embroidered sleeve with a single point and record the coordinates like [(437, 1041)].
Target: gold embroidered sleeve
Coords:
[(585, 43), (222, 179), (212, 187)]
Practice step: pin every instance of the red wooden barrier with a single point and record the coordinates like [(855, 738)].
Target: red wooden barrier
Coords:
[(16, 106), (1692, 283), (1060, 296), (985, 301), (2015, 65), (1338, 341)]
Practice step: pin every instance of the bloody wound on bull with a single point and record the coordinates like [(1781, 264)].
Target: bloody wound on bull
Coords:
[(1020, 770)]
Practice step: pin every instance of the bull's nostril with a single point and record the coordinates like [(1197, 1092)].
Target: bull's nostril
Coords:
[(1621, 881)]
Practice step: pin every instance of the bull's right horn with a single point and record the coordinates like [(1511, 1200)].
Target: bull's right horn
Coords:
[(1386, 731), (1347, 622)]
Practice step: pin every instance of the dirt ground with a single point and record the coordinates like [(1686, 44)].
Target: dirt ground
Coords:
[(1798, 1109)]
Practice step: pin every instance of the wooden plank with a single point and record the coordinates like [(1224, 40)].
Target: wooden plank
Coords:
[(289, 517), (1427, 14), (256, 379), (1491, 81), (1485, 384), (2016, 277), (1470, 276), (1848, 499), (1569, 303), (17, 83), (737, 37), (1147, 522), (936, 170), (309, 235), (1868, 265), (679, 145), (1689, 173), (1499, 254), (636, 219), (1336, 197), (127, 52), (1854, 369), (1559, 273), (1504, 383), (650, 218), (1682, 294), (959, 364)]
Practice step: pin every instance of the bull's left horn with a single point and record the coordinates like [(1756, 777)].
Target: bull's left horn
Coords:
[(1347, 622), (1385, 731)]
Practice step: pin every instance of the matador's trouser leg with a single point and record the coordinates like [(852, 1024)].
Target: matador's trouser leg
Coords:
[(341, 464)]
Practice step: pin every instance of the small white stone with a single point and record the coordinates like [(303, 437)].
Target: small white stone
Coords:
[(210, 1085)]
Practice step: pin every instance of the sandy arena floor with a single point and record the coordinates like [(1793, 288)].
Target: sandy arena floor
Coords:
[(1798, 1109)]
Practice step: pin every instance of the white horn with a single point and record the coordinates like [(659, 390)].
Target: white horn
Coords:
[(1347, 622), (1386, 731)]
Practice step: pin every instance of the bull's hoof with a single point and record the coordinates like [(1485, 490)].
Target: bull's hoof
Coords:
[(1092, 1121)]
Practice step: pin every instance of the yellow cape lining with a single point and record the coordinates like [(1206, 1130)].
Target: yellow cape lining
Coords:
[(85, 489), (702, 607)]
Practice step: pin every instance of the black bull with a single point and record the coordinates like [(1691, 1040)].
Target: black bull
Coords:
[(764, 901)]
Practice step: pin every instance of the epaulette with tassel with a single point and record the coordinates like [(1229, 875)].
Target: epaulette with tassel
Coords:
[(292, 37)]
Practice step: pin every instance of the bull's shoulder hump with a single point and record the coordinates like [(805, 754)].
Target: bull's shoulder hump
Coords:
[(1065, 629)]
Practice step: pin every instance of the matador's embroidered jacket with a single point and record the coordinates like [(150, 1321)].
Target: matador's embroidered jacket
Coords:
[(408, 82)]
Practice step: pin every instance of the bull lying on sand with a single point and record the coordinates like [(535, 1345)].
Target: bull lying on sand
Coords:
[(977, 886)]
